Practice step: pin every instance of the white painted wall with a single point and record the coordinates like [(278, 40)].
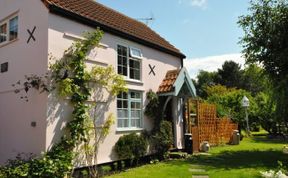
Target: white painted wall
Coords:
[(58, 42), (178, 121), (16, 115)]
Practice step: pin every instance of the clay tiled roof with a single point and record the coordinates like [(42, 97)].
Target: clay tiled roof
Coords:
[(167, 84), (97, 15)]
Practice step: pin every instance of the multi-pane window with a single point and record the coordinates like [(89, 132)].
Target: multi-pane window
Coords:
[(3, 32), (134, 69), (9, 29), (122, 60), (13, 28), (129, 63), (129, 110)]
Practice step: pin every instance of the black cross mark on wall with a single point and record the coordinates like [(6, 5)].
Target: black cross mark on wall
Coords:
[(31, 35), (152, 70)]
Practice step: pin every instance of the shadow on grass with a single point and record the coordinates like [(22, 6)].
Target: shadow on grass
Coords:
[(266, 140), (241, 159)]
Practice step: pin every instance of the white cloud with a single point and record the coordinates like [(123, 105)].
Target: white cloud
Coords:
[(198, 3), (210, 63), (195, 3)]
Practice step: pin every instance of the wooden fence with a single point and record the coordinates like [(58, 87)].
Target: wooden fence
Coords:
[(210, 128), (224, 130)]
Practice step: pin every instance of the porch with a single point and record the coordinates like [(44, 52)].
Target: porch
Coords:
[(191, 117), (175, 91)]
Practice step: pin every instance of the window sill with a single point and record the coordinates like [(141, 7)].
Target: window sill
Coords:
[(70, 35), (129, 129), (131, 81), (97, 62), (7, 43)]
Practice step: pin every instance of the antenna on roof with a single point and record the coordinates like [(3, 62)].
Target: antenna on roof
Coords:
[(147, 20)]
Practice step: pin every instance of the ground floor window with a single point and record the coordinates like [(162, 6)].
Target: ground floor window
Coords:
[(129, 110)]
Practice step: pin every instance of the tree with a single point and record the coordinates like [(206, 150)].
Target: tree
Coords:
[(228, 103), (266, 112), (230, 74), (254, 79), (204, 79), (266, 36), (265, 41)]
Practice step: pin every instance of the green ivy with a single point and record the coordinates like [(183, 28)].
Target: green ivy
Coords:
[(161, 137), (153, 105)]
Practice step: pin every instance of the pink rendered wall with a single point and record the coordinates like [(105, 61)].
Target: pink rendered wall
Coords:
[(16, 133), (61, 35), (50, 114)]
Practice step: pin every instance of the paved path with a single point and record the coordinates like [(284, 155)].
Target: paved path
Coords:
[(198, 170)]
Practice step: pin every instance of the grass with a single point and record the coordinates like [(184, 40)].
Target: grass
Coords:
[(246, 160)]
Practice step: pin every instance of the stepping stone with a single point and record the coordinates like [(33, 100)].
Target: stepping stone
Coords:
[(200, 176), (206, 154), (202, 153), (196, 170), (196, 165)]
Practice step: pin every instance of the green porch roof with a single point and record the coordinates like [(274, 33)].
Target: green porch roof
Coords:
[(177, 83)]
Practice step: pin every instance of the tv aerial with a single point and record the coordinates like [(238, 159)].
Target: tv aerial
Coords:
[(147, 20)]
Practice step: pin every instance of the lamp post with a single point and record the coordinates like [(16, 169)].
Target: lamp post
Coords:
[(245, 105)]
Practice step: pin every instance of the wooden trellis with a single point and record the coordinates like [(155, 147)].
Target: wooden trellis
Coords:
[(210, 128), (224, 128), (206, 117)]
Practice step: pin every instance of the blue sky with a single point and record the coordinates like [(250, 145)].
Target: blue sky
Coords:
[(206, 31)]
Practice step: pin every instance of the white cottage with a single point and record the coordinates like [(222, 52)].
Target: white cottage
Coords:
[(32, 29)]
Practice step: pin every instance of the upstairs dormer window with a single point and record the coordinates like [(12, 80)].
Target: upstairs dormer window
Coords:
[(9, 29), (129, 62)]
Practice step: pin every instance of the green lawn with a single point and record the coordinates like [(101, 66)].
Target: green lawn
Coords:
[(241, 161)]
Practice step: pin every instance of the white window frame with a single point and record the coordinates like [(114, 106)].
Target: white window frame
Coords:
[(131, 49), (7, 22), (129, 100), (130, 56)]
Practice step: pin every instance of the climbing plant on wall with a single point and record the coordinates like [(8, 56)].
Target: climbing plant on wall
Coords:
[(161, 136), (69, 77)]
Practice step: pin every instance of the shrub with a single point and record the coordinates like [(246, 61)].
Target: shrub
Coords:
[(16, 168), (254, 127), (163, 138), (38, 167), (131, 146)]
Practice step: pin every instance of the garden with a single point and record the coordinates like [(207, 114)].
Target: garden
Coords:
[(254, 155), (259, 154)]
